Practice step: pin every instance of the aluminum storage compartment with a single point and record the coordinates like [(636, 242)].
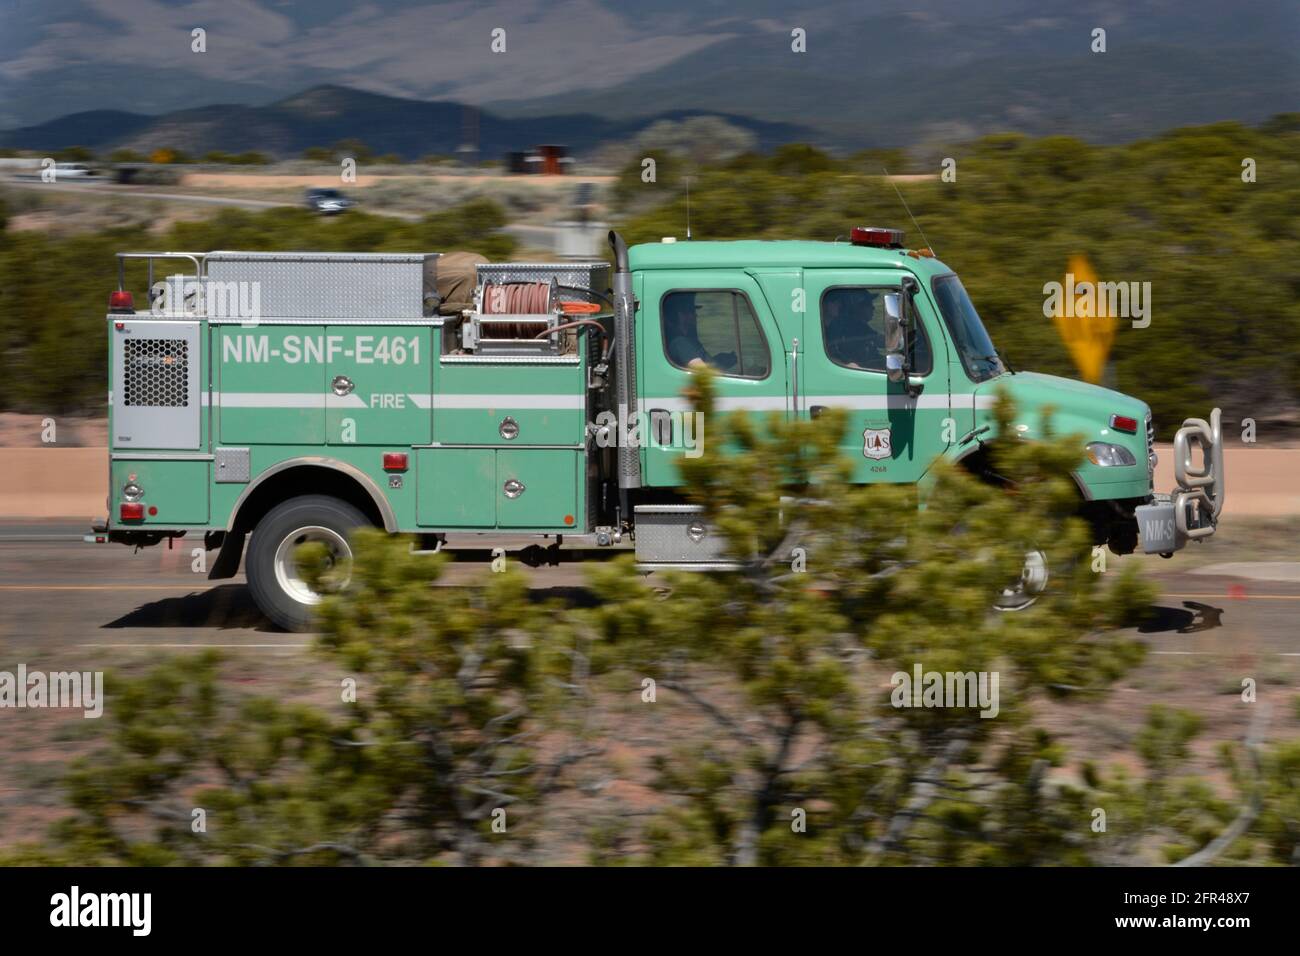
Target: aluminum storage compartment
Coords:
[(581, 275), (327, 285), (669, 536)]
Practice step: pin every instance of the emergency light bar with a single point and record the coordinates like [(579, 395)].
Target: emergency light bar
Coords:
[(876, 236)]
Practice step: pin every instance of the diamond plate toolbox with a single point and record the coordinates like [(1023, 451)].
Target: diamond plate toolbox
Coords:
[(299, 285)]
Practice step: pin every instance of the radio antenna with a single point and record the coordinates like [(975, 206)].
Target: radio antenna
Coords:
[(909, 211), (688, 208)]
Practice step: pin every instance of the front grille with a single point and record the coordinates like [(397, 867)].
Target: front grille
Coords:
[(155, 373)]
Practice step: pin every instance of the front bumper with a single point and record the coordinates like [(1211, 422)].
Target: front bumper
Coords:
[(1191, 512)]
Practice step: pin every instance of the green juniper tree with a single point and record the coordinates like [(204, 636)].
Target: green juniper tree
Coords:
[(838, 590)]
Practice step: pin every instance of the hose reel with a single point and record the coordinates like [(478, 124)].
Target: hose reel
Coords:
[(516, 299)]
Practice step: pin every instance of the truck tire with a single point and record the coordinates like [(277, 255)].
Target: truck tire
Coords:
[(273, 576), (1025, 591)]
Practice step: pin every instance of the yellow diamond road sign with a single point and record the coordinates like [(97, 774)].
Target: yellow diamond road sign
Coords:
[(1083, 319)]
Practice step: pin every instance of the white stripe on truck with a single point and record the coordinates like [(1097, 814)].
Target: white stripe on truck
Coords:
[(330, 400)]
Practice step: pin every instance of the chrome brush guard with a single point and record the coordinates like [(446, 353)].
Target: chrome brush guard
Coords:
[(1192, 511)]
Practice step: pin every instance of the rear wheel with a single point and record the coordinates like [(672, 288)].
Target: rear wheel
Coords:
[(274, 578)]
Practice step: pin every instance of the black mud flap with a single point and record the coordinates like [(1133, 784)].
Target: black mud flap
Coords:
[(227, 563)]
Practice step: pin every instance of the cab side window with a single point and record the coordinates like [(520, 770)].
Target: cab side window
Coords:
[(853, 329), (714, 327)]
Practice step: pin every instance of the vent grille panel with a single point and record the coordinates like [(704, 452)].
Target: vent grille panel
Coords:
[(156, 373)]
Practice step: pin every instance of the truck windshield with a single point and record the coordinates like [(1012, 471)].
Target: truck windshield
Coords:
[(978, 355)]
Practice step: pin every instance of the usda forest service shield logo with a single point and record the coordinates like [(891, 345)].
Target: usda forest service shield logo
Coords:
[(875, 443)]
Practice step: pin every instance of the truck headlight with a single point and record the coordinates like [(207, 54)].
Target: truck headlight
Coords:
[(1108, 456)]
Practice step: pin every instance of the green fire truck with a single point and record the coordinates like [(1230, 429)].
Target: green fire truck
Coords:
[(264, 400)]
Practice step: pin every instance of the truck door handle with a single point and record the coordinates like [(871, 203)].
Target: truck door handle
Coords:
[(660, 423), (816, 410)]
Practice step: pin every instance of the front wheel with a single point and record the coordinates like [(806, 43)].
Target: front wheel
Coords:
[(1024, 592), (274, 578)]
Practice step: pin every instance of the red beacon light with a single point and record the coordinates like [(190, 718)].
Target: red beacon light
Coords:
[(876, 236), (121, 302)]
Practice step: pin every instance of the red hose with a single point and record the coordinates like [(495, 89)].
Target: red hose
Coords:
[(516, 298)]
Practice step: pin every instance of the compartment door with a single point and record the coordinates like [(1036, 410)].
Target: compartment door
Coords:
[(378, 385), (156, 384), (271, 384), (537, 488), (455, 488)]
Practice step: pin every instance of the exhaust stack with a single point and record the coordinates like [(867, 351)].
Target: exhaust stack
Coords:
[(629, 452)]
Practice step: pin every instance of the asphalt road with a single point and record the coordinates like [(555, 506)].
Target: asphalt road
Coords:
[(83, 186), (58, 591)]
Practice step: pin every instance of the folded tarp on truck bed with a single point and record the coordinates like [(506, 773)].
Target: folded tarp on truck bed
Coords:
[(456, 276)]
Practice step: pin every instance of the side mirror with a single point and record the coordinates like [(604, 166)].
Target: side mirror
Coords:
[(896, 349)]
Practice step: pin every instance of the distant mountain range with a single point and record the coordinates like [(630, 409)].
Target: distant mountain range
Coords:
[(326, 114), (839, 73), (907, 78)]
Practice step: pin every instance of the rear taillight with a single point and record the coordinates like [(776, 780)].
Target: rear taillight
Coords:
[(395, 461), (1122, 423), (131, 511), (121, 301)]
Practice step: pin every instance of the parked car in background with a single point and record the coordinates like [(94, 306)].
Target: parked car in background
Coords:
[(328, 202)]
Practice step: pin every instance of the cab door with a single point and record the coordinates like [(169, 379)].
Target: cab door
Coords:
[(716, 317), (892, 436)]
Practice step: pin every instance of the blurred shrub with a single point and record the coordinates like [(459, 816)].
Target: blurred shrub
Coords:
[(237, 159), (74, 154)]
